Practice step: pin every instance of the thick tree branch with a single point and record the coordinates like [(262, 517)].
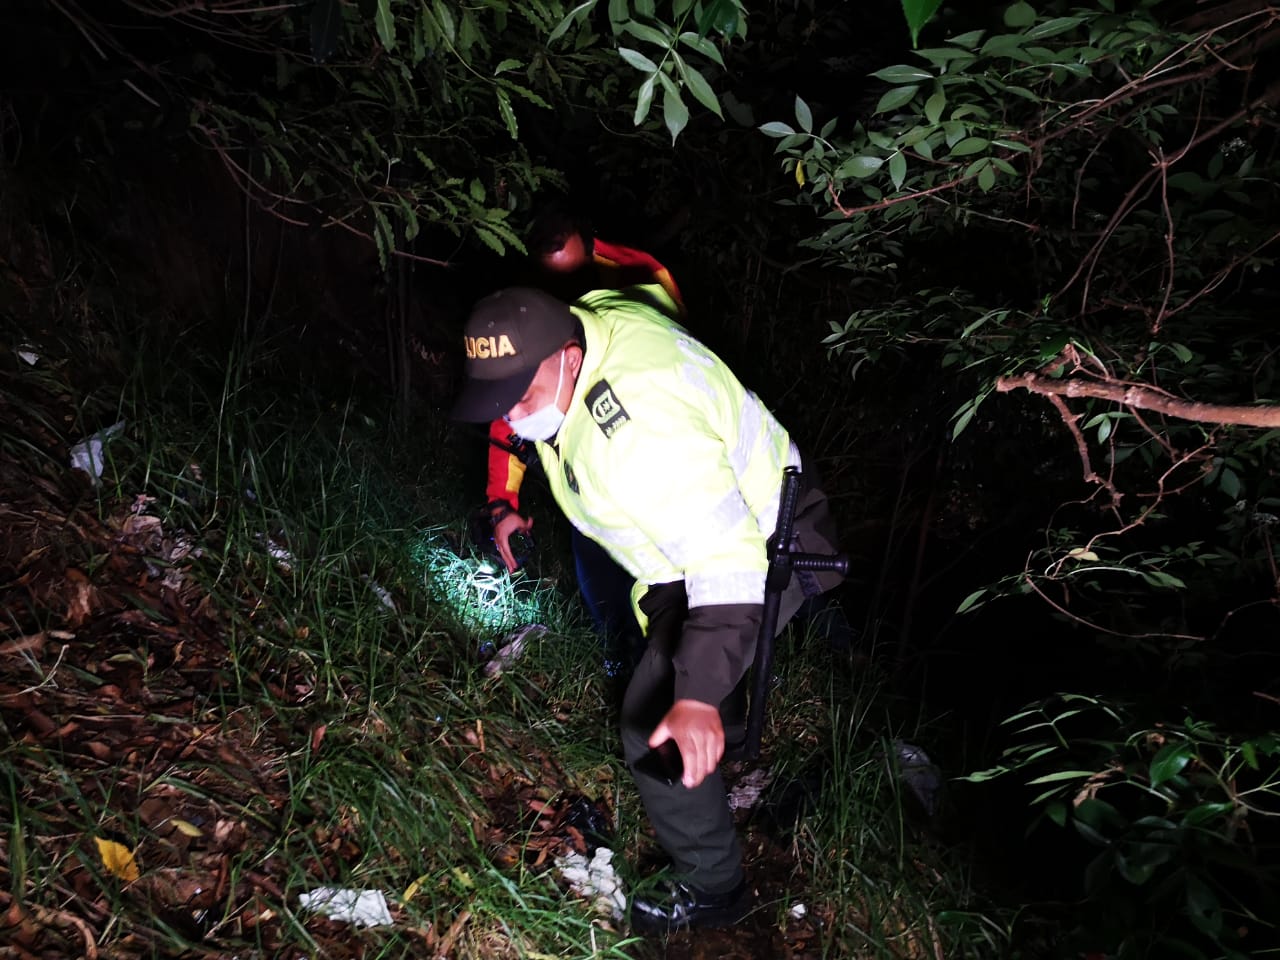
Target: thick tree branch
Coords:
[(1144, 398)]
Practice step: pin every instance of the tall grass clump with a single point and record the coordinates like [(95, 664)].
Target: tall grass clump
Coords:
[(356, 628), (871, 850)]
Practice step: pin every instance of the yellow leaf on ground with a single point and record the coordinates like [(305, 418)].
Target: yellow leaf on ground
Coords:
[(187, 828), (118, 859), (412, 890)]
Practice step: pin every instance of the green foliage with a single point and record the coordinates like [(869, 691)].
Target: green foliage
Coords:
[(395, 117), (918, 13), (350, 693), (1125, 184), (1081, 203), (1168, 808), (411, 121), (861, 841), (402, 117), (670, 49), (1056, 105), (392, 120)]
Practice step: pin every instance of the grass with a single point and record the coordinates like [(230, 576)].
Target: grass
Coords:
[(865, 852), (301, 704)]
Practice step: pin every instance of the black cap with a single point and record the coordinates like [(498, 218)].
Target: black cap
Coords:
[(508, 335)]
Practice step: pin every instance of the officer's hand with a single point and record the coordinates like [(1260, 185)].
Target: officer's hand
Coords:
[(502, 531), (695, 727)]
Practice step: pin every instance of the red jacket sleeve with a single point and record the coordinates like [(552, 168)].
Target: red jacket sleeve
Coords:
[(506, 470)]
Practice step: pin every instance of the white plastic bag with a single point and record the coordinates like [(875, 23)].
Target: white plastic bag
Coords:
[(363, 908), (87, 454)]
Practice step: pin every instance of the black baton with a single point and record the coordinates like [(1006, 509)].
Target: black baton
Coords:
[(782, 562)]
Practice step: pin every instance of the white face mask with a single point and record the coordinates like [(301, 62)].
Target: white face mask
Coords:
[(543, 423)]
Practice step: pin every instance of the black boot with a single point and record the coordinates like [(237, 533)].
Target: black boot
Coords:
[(677, 906)]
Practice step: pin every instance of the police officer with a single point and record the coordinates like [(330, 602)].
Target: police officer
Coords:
[(654, 450)]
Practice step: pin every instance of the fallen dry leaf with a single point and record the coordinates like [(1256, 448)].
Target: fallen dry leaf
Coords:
[(40, 722), (83, 601), (118, 859), (140, 526), (186, 827)]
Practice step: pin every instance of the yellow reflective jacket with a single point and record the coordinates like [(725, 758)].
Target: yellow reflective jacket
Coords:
[(667, 461)]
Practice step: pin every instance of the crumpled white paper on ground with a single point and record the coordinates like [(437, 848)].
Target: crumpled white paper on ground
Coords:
[(595, 880), (87, 454), (363, 908), (746, 792)]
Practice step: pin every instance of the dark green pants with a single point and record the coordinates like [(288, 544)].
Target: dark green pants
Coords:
[(695, 826)]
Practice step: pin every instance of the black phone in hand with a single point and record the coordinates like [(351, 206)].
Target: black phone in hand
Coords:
[(663, 763)]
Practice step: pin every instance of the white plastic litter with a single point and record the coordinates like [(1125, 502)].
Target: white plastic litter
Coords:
[(595, 880), (746, 792), (363, 908), (513, 649), (87, 454), (28, 354), (281, 555), (798, 910), (921, 776), (381, 592)]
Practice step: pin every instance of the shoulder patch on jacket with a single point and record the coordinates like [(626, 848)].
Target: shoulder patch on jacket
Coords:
[(605, 409)]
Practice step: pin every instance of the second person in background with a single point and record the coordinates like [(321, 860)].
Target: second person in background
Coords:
[(568, 260)]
